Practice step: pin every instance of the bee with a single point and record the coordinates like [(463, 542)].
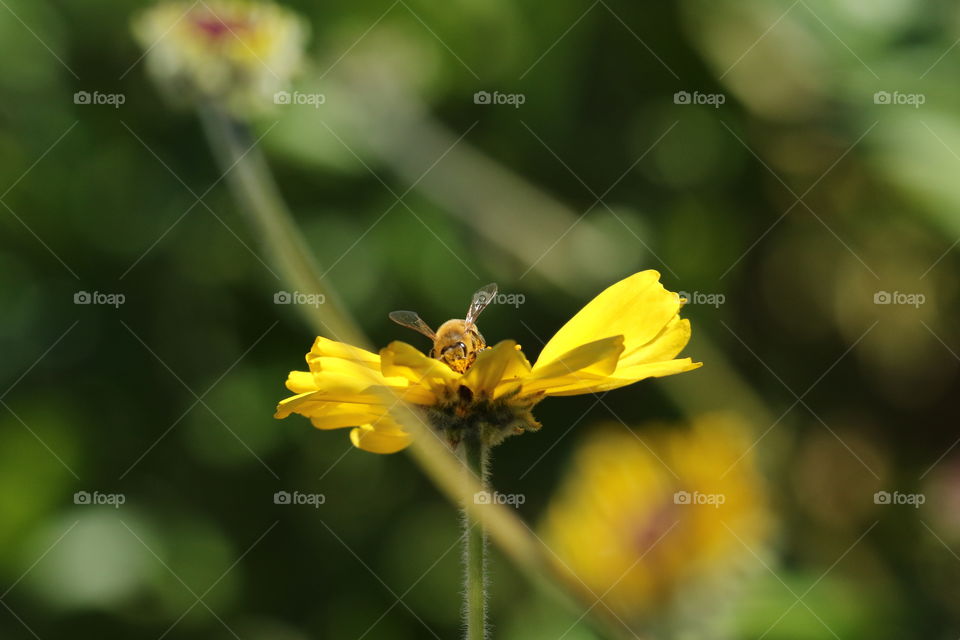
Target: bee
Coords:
[(457, 342)]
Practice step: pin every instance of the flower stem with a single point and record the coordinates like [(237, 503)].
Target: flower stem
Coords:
[(248, 176), (475, 547)]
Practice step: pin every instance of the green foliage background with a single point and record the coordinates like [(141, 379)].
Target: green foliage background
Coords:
[(168, 399)]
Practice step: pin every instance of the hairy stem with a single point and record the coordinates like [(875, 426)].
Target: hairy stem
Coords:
[(475, 546)]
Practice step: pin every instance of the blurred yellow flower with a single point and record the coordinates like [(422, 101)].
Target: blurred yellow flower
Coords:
[(639, 521), (629, 332), (237, 51)]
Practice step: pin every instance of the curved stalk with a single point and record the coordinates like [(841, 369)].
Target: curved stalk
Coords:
[(247, 175)]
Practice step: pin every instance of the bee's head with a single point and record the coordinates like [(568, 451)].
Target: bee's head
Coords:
[(457, 344), (456, 356)]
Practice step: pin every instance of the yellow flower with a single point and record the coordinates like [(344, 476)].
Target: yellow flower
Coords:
[(237, 51), (649, 522), (629, 332)]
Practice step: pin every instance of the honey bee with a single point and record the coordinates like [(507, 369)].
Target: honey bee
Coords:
[(457, 342)]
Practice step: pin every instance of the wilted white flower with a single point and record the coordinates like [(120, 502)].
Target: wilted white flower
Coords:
[(238, 52)]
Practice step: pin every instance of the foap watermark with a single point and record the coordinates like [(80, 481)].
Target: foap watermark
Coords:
[(495, 497), (298, 297), (513, 99), (299, 98), (97, 98), (700, 297), (97, 498), (96, 297), (512, 299), (912, 499), (712, 99), (912, 99), (311, 499), (898, 297), (712, 499)]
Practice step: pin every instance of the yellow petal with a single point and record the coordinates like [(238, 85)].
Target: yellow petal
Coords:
[(591, 362), (504, 363), (377, 439), (301, 382), (342, 373), (660, 369), (584, 384), (399, 359), (638, 308), (325, 348), (344, 387), (291, 404), (337, 388), (667, 344), (316, 403), (381, 394), (339, 415), (339, 365)]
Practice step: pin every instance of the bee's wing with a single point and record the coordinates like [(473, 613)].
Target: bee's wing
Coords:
[(411, 320), (481, 299)]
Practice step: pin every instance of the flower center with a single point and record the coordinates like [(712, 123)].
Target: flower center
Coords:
[(216, 27), (464, 414), (648, 531)]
